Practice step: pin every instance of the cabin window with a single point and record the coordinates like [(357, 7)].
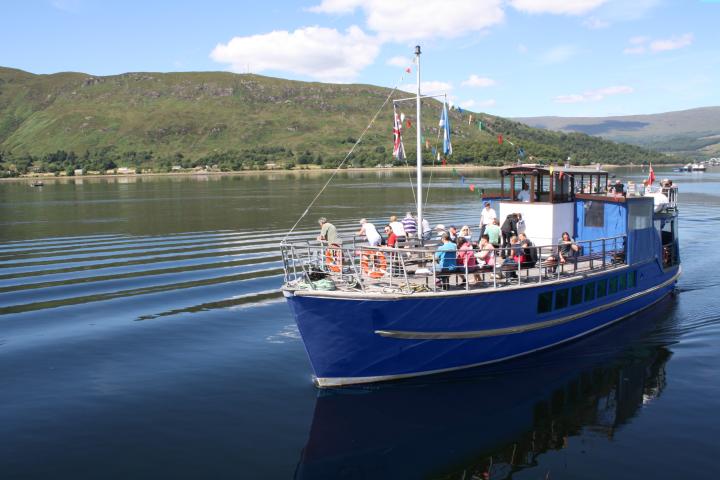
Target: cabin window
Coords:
[(613, 288), (622, 282), (640, 214), (631, 280), (545, 302), (601, 288), (576, 295), (561, 298), (589, 291), (594, 214)]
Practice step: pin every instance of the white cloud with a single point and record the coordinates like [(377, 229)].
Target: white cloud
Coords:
[(401, 62), (559, 54), (557, 7), (408, 20), (638, 40), (475, 81), (426, 88), (671, 43), (595, 23), (322, 53), (642, 44), (522, 48), (72, 6), (594, 95), (469, 104), (634, 50)]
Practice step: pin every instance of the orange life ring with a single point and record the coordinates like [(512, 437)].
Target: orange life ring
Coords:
[(375, 268), (333, 259)]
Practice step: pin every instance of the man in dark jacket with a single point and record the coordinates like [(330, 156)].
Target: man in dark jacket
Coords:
[(508, 229)]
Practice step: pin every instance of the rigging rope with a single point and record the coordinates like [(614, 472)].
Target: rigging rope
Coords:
[(337, 169)]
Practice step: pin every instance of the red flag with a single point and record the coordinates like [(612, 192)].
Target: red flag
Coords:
[(651, 176), (408, 70), (444, 162), (408, 124), (500, 139)]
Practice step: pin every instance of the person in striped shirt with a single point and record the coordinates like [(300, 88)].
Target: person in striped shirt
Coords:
[(410, 225)]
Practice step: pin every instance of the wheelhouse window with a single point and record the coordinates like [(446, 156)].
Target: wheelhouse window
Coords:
[(594, 214)]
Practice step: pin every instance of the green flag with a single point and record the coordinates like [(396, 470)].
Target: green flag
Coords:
[(480, 125)]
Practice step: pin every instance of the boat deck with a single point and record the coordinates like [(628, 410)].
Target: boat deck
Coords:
[(380, 271)]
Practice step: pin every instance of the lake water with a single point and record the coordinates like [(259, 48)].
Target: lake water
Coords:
[(142, 335)]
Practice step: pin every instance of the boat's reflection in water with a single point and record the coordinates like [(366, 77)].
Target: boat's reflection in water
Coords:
[(491, 422)]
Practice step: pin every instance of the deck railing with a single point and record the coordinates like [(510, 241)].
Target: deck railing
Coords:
[(410, 269)]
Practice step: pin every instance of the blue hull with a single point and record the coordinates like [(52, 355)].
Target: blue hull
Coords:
[(361, 340)]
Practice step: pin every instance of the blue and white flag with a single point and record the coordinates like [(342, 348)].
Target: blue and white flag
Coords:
[(445, 125)]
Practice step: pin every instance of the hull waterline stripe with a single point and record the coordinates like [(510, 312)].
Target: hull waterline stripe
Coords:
[(409, 335)]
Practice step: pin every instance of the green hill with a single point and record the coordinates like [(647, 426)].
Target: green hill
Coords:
[(694, 133), (156, 120)]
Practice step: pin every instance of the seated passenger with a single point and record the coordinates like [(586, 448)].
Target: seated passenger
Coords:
[(466, 257), (565, 250), (391, 237), (530, 254), (486, 249), (465, 233), (440, 228), (515, 256), (446, 259)]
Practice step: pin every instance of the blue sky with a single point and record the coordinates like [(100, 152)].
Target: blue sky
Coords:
[(505, 57)]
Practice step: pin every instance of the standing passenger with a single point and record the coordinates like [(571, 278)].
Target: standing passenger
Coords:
[(493, 232), (328, 232), (397, 228), (410, 225), (426, 230), (487, 216), (369, 230)]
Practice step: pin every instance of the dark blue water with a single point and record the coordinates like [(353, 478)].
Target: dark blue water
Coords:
[(142, 335)]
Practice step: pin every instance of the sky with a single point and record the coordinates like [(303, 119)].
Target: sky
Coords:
[(511, 58)]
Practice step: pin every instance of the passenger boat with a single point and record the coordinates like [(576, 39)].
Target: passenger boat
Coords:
[(370, 314)]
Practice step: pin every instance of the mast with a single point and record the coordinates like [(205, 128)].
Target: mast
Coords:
[(419, 148)]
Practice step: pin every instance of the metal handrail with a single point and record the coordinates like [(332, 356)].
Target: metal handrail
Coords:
[(349, 265)]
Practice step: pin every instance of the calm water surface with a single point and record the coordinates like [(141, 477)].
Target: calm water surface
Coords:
[(142, 335)]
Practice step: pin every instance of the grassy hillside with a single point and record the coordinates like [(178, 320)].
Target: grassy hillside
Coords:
[(694, 132), (156, 120)]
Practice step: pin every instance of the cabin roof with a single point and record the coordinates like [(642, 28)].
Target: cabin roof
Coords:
[(534, 168)]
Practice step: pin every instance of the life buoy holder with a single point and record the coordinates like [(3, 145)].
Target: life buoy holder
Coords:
[(373, 263), (333, 259)]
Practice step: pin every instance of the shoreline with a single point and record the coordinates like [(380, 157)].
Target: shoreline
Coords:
[(449, 168)]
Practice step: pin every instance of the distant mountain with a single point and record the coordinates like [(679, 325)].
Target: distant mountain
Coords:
[(694, 133), (73, 120)]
